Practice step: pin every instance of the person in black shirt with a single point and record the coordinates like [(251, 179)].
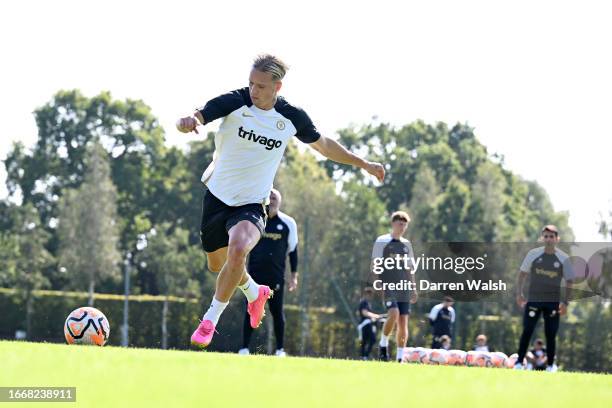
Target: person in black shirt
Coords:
[(441, 319), (546, 266), (266, 265), (367, 321)]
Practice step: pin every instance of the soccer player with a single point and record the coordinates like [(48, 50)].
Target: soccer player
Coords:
[(547, 266), (441, 319), (257, 124), (266, 265), (397, 302), (367, 328)]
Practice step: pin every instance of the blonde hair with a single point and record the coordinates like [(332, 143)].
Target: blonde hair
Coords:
[(398, 215), (273, 65)]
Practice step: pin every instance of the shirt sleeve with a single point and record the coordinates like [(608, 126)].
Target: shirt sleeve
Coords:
[(377, 249), (293, 259), (362, 305), (305, 130), (452, 314), (433, 315), (307, 133), (529, 258), (225, 104), (292, 239), (568, 268)]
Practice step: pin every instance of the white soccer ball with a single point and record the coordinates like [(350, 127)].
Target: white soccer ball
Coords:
[(438, 356), (456, 357), (406, 354), (478, 359), (86, 325), (511, 361), (419, 355), (483, 359), (498, 359)]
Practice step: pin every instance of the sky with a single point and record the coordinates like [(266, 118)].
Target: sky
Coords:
[(532, 77)]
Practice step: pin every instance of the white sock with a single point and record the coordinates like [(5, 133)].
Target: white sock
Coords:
[(384, 340), (214, 311), (250, 289), (400, 353)]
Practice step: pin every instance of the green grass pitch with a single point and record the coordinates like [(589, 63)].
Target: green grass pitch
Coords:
[(117, 377)]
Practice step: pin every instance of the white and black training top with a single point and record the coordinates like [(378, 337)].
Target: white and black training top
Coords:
[(249, 145), (546, 272), (386, 246)]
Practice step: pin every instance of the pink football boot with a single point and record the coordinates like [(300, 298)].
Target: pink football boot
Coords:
[(203, 335), (256, 308)]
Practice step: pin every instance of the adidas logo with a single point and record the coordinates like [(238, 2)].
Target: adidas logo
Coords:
[(269, 143)]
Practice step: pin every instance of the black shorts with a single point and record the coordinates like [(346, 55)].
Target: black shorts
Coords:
[(404, 307), (218, 218)]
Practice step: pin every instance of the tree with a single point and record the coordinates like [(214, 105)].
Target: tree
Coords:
[(605, 227), (486, 211), (170, 258), (133, 141), (465, 195), (88, 227), (23, 257), (423, 205)]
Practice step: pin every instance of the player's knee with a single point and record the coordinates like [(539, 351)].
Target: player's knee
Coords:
[(237, 252)]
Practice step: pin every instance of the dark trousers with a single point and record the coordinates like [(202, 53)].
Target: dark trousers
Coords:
[(368, 338), (550, 311), (275, 305)]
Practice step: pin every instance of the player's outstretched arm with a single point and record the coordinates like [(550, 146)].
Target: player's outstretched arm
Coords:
[(338, 153), (190, 123)]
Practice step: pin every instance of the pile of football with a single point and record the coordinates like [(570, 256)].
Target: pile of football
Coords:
[(458, 357)]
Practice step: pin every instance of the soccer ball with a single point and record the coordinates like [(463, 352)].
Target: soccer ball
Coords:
[(470, 358), (419, 355), (483, 359), (406, 354), (86, 325), (511, 361), (478, 359), (498, 359), (456, 357), (438, 356)]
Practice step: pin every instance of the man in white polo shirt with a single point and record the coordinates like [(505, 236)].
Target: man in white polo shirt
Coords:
[(256, 128)]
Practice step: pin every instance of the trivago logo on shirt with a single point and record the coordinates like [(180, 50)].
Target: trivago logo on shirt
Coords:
[(269, 143)]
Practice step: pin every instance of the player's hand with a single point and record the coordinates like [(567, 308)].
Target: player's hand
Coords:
[(293, 283), (521, 301), (376, 169), (562, 309), (187, 124), (413, 297)]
